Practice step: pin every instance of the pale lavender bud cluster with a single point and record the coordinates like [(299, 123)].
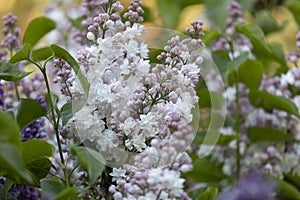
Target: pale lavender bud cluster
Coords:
[(134, 13), (196, 30), (294, 55), (100, 17), (252, 186), (63, 77), (33, 87), (233, 42), (11, 40), (3, 56)]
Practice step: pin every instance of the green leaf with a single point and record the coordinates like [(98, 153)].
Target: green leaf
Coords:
[(51, 187), (266, 22), (36, 29), (293, 179), (11, 72), (185, 3), (36, 149), (210, 36), (256, 36), (22, 54), (91, 160), (28, 111), (250, 73), (221, 59), (9, 131), (12, 163), (39, 168), (262, 99), (7, 186), (206, 98), (42, 54), (258, 134), (69, 109), (209, 194), (64, 55), (285, 190), (294, 7), (67, 193), (200, 172), (169, 12), (148, 14), (223, 140)]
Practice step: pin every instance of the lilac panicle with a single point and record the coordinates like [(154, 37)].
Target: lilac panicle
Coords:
[(294, 55), (11, 33)]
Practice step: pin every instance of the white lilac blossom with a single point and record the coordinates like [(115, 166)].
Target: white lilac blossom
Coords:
[(233, 42), (135, 108)]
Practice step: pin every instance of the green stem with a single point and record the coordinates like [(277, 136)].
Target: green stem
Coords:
[(238, 133), (55, 123)]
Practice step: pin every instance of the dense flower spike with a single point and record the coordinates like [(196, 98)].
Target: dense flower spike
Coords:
[(11, 41), (233, 42)]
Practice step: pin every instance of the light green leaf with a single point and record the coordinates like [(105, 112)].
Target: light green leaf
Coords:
[(66, 56), (250, 73), (67, 193), (11, 72), (285, 190), (91, 160), (36, 29), (28, 111), (39, 169), (51, 187), (258, 134), (9, 131), (22, 54), (170, 12), (294, 7), (262, 99), (69, 109)]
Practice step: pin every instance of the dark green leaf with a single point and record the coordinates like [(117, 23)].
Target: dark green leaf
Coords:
[(293, 178), (42, 54), (67, 193), (148, 14), (69, 109), (258, 134), (285, 190), (209, 194), (250, 73), (51, 187), (91, 160), (262, 99), (36, 29), (12, 163), (221, 58), (9, 131), (36, 149), (39, 168), (64, 55), (201, 168), (29, 110), (207, 97), (22, 54), (7, 186), (11, 72)]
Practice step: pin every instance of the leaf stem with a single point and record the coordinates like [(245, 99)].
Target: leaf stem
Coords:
[(238, 132)]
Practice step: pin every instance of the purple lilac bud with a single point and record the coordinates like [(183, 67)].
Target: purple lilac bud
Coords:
[(252, 186), (34, 130), (294, 55), (196, 31), (11, 33), (63, 76), (21, 192), (134, 13)]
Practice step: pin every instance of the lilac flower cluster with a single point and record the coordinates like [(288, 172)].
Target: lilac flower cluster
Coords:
[(233, 42), (2, 105), (64, 77), (252, 186), (134, 13), (136, 109), (21, 192), (294, 55), (11, 33)]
